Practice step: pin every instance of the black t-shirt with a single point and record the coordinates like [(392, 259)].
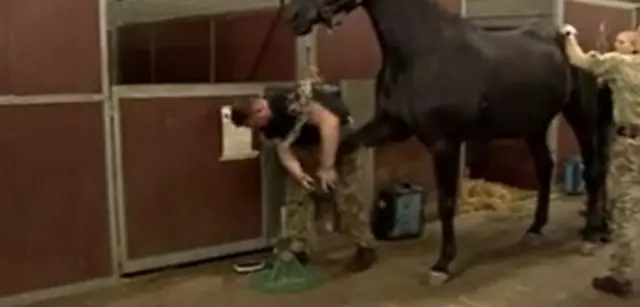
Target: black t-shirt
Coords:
[(283, 119)]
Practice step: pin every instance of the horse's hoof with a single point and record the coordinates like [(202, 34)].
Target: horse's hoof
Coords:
[(589, 248), (533, 239), (437, 278)]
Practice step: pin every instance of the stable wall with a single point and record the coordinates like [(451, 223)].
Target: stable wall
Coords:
[(176, 176), (177, 200), (174, 51), (220, 48), (54, 218)]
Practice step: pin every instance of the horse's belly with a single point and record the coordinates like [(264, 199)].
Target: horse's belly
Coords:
[(523, 102), (517, 117)]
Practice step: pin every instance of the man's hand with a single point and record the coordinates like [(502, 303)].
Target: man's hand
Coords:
[(328, 178), (569, 30), (304, 180)]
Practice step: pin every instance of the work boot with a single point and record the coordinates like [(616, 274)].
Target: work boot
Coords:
[(622, 288), (364, 258)]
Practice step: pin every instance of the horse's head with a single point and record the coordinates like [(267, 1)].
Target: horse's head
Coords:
[(302, 15)]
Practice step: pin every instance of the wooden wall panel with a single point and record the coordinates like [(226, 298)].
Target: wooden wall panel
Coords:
[(505, 161), (239, 37), (408, 161), (54, 46), (182, 51), (454, 6), (338, 56), (173, 51), (178, 195), (4, 47), (134, 54), (54, 226)]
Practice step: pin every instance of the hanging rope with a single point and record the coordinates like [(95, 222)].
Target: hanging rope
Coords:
[(266, 43), (602, 44), (304, 94)]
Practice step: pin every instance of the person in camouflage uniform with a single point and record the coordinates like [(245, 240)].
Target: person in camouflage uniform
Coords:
[(622, 72), (317, 146)]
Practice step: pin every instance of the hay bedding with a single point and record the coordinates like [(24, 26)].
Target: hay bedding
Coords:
[(482, 195)]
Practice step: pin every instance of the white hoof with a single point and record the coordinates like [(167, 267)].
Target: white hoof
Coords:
[(438, 278)]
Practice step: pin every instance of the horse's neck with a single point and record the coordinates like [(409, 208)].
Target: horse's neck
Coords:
[(411, 27)]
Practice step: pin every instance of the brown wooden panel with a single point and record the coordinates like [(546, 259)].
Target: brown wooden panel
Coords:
[(239, 37), (403, 162), (337, 57), (183, 51), (54, 226), (178, 195), (588, 17), (505, 161), (4, 47), (54, 46), (454, 6), (134, 53)]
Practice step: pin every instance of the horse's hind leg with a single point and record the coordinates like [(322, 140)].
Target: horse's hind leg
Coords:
[(544, 168), (446, 157), (593, 156), (379, 130)]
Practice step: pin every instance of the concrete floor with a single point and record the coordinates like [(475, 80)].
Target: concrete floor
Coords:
[(496, 271)]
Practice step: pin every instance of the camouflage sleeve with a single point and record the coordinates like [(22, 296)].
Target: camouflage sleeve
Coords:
[(604, 65)]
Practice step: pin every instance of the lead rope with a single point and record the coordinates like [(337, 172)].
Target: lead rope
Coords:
[(305, 94), (602, 44)]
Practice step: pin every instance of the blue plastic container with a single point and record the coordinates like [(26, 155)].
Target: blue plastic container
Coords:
[(399, 213), (573, 180)]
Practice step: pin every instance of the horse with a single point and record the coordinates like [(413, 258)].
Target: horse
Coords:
[(445, 82)]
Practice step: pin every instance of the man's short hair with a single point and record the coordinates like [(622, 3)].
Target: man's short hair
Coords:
[(241, 110)]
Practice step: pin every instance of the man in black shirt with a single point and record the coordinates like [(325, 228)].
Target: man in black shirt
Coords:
[(275, 115)]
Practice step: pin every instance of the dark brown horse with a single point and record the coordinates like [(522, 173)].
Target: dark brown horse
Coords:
[(445, 82)]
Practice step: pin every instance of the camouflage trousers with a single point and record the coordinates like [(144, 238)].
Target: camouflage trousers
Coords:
[(623, 184), (349, 201)]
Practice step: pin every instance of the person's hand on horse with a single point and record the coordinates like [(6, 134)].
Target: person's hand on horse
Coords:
[(328, 178), (305, 180), (569, 30)]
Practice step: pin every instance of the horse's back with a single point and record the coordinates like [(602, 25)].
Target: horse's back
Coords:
[(527, 81)]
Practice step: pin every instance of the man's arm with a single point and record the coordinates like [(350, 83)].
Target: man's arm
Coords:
[(575, 53), (329, 126), (603, 65), (288, 159)]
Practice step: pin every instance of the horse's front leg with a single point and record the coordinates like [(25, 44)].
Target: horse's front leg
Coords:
[(543, 162), (446, 156)]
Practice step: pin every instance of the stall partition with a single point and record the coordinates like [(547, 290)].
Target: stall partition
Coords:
[(181, 198), (56, 217)]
